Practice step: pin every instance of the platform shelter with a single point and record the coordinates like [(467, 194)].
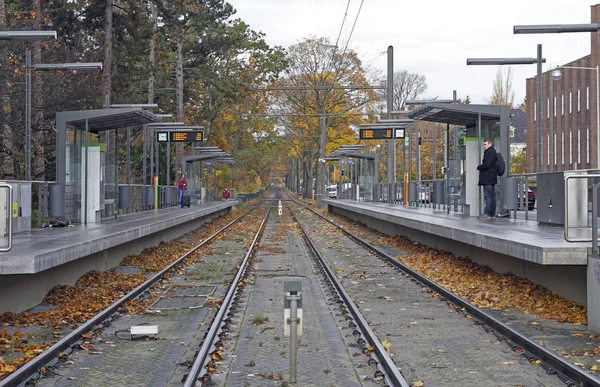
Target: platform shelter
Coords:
[(81, 174)]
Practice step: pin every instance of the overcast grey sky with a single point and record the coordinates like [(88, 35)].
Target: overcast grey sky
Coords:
[(431, 37)]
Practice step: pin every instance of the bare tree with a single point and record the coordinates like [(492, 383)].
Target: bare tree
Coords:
[(503, 93), (406, 86)]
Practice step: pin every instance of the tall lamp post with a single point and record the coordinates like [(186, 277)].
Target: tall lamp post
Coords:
[(556, 74), (27, 35), (49, 66), (517, 61), (566, 28)]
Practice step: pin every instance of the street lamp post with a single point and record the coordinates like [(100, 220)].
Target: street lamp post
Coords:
[(43, 66), (27, 35), (515, 61), (566, 28), (556, 73)]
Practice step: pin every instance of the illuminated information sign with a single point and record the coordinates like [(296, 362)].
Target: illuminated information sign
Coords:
[(381, 134), (179, 136)]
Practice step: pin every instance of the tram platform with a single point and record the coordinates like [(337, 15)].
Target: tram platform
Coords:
[(523, 239), (42, 258), (525, 248)]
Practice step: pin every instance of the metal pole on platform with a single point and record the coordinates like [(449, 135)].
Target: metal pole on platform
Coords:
[(28, 115), (538, 124), (168, 170), (293, 297), (447, 163), (434, 149), (391, 149), (85, 199), (145, 128), (116, 174), (594, 220)]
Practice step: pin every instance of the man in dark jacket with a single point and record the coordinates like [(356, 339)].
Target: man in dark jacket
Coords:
[(488, 179)]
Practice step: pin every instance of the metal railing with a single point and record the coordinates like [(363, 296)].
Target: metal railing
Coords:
[(8, 219), (594, 236)]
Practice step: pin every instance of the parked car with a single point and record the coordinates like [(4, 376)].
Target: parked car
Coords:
[(530, 198), (424, 195), (332, 191)]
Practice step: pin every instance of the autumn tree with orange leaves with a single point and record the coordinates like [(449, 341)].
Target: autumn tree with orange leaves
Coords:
[(315, 87)]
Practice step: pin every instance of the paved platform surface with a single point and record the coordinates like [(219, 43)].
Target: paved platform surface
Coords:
[(42, 249), (524, 239)]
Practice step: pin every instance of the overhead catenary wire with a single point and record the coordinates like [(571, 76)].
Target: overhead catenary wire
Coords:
[(353, 25), (343, 21)]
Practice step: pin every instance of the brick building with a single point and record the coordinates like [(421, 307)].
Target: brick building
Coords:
[(568, 113)]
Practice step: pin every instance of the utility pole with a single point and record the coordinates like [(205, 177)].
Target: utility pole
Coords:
[(391, 149)]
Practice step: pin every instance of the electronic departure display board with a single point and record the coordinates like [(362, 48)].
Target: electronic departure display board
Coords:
[(381, 134), (183, 136)]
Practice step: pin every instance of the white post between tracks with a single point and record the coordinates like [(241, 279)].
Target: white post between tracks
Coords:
[(293, 334)]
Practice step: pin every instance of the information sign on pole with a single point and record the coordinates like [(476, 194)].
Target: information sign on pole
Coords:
[(292, 289), (182, 136), (381, 134), (375, 134)]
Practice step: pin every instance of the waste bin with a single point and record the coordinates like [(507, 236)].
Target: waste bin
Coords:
[(412, 192), (509, 193), (439, 192), (124, 196), (168, 196), (56, 198), (149, 196)]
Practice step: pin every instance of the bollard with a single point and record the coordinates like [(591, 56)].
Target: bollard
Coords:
[(292, 326), (279, 207)]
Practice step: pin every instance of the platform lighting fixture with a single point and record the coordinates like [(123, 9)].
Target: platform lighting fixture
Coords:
[(555, 28), (134, 105), (567, 28), (43, 66), (27, 35), (426, 101)]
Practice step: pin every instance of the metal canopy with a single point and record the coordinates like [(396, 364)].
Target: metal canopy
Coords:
[(354, 151), (456, 114), (105, 119)]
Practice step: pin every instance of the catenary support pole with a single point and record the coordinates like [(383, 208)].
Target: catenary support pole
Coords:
[(391, 151), (538, 124)]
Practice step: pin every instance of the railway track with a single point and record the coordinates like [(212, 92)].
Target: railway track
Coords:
[(368, 320), (566, 373)]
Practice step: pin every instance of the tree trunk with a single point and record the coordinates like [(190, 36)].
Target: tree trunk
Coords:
[(5, 101), (37, 96), (108, 41), (152, 58)]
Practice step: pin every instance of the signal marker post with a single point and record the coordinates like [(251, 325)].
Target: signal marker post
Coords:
[(280, 208), (292, 314)]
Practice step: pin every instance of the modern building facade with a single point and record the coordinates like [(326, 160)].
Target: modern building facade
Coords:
[(569, 115)]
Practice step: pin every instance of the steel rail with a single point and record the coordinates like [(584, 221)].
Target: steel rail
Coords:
[(389, 369), (567, 372), (29, 370), (217, 325)]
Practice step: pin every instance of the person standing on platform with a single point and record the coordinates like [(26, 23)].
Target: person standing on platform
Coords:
[(488, 179), (181, 188), (226, 194)]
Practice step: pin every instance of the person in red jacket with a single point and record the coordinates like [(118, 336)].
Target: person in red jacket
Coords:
[(181, 188), (226, 195)]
